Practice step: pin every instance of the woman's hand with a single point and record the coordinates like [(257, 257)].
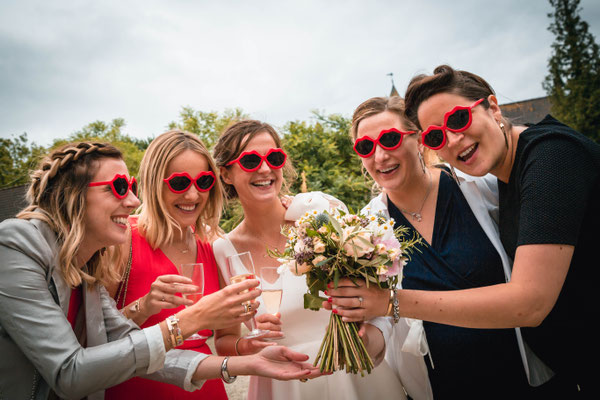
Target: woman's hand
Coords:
[(281, 363), (163, 294), (357, 302), (270, 322), (224, 308)]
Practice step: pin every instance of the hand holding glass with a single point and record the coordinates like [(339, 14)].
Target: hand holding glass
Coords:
[(195, 272), (241, 268)]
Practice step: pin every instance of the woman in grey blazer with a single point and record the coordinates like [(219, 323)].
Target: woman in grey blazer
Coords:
[(60, 332)]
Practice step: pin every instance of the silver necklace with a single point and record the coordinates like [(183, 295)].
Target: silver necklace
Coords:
[(417, 215)]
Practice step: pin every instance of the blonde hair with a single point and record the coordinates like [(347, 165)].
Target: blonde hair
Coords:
[(154, 224), (57, 196)]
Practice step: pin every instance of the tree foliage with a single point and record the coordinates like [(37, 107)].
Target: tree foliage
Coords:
[(573, 80), (207, 125), (322, 154), (133, 149), (17, 159)]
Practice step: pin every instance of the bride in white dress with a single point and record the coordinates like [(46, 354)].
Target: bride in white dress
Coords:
[(253, 168)]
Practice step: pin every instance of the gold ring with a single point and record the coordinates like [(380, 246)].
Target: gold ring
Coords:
[(303, 379), (249, 308), (246, 308)]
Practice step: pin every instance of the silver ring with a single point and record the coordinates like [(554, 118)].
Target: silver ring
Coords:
[(246, 308), (163, 299), (360, 300)]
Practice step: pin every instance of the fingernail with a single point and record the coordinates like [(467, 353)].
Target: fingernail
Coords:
[(325, 291), (334, 311), (329, 300), (329, 285)]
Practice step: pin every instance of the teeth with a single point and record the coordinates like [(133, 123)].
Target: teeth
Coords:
[(467, 151), (120, 220), (388, 169), (187, 208), (262, 183)]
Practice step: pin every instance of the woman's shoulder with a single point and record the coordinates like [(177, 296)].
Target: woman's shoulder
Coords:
[(32, 237)]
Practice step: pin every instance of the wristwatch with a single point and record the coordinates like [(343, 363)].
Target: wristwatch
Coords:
[(225, 374)]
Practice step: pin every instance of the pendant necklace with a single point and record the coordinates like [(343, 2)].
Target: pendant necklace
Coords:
[(417, 215)]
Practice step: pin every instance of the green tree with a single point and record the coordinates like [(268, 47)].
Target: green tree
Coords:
[(207, 125), (573, 81), (133, 149), (322, 154), (17, 159)]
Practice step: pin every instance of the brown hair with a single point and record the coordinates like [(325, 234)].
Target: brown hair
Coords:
[(157, 226), (445, 79), (57, 195), (233, 140)]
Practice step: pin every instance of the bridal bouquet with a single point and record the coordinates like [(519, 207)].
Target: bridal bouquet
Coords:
[(326, 247)]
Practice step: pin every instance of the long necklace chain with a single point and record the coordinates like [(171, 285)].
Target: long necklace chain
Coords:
[(417, 215)]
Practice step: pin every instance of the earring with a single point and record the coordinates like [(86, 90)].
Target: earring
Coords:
[(501, 125), (421, 161)]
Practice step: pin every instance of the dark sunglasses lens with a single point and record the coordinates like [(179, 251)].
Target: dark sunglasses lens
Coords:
[(458, 120), (276, 159), (434, 138), (390, 139), (250, 161), (134, 188), (179, 183), (364, 147), (205, 181), (121, 186)]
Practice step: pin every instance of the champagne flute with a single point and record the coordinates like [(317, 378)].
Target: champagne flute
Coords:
[(272, 290), (241, 268), (194, 271)]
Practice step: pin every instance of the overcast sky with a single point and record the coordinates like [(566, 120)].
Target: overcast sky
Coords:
[(64, 64)]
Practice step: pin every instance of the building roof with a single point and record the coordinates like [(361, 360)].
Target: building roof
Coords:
[(12, 200), (527, 111)]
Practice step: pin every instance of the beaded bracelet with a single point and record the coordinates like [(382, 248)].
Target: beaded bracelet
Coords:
[(174, 330), (396, 313)]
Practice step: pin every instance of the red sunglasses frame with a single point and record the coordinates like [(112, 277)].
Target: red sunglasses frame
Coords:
[(378, 142), (193, 181), (444, 127), (262, 158), (111, 183)]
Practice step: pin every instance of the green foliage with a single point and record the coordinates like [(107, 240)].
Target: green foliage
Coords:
[(207, 125), (573, 80), (322, 151), (133, 149), (17, 158)]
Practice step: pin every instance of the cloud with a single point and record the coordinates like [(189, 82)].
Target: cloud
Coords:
[(65, 64)]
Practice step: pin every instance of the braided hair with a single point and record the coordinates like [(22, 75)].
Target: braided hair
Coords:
[(57, 195)]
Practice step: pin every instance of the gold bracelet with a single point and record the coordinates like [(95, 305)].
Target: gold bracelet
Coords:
[(390, 304), (174, 331), (236, 346)]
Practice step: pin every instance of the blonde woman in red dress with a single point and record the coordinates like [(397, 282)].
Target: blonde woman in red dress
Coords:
[(181, 206)]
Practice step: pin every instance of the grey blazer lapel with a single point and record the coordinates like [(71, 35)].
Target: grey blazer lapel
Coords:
[(95, 328)]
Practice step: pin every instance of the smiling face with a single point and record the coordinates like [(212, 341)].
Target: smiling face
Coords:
[(265, 183), (105, 215), (186, 207), (391, 169), (478, 150)]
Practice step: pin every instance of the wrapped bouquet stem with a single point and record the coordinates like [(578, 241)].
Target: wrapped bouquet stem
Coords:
[(325, 247)]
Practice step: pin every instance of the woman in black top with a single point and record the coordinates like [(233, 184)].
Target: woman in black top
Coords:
[(548, 183)]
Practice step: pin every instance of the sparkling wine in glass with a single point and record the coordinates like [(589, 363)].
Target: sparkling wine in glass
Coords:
[(272, 289), (194, 271), (241, 268)]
